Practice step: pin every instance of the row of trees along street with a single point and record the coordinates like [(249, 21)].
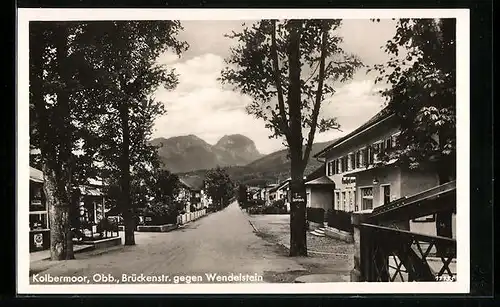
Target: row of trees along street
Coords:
[(91, 86), (289, 67)]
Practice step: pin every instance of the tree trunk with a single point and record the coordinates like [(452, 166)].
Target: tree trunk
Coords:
[(57, 165), (298, 246), (128, 215), (58, 201)]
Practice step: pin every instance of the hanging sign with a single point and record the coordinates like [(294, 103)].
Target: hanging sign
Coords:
[(297, 198), (38, 239)]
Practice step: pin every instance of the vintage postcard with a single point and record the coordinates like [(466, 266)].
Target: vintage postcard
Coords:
[(242, 151)]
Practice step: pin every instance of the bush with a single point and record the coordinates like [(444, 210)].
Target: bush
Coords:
[(340, 220), (277, 207), (316, 215), (160, 214)]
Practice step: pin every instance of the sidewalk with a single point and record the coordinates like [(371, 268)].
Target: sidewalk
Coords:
[(325, 255), (45, 254)]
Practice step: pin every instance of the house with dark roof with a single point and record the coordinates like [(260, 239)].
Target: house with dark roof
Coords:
[(363, 181), (191, 192)]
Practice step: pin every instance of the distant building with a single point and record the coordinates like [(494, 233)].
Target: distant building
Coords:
[(191, 193)]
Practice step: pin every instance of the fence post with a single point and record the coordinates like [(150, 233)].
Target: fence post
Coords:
[(358, 273)]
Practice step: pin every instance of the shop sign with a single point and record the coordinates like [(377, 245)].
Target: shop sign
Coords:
[(348, 180), (38, 239)]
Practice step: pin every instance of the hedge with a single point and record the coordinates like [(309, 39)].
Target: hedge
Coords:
[(316, 215), (340, 220)]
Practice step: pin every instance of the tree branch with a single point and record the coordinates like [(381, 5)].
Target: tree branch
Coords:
[(277, 78), (317, 102)]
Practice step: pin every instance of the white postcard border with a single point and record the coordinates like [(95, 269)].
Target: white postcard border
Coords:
[(462, 285)]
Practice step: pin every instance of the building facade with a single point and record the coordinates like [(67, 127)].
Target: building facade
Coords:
[(363, 182)]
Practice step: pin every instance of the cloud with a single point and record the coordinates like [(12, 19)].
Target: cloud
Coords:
[(201, 106), (353, 104)]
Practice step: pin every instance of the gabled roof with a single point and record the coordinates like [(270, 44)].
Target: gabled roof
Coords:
[(320, 171), (193, 182), (284, 183), (385, 113), (321, 181)]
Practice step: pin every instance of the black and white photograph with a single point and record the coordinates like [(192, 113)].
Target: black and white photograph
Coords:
[(243, 151)]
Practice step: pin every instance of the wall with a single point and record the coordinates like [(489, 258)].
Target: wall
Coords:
[(416, 181), (387, 175), (429, 228), (321, 197)]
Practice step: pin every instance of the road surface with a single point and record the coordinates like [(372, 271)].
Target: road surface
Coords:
[(222, 242)]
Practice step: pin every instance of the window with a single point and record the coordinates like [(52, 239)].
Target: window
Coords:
[(376, 151), (394, 140), (352, 200), (360, 158), (335, 167), (366, 198), (339, 166), (344, 201), (371, 155), (354, 160), (329, 168), (337, 200), (351, 161), (366, 156), (388, 143), (344, 164), (386, 194)]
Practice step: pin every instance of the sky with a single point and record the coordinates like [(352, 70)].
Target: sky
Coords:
[(201, 106)]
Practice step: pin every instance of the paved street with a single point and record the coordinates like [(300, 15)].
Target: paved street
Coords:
[(222, 242)]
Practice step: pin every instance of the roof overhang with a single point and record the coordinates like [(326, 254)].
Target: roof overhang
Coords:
[(323, 181), (351, 136)]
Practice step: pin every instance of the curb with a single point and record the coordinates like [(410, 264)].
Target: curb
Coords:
[(253, 226), (84, 249), (287, 246)]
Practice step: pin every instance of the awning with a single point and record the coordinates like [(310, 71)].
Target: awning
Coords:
[(36, 175)]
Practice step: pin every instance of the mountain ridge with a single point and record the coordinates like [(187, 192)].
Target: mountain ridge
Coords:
[(189, 152)]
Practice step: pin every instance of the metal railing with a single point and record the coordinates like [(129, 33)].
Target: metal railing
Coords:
[(390, 254)]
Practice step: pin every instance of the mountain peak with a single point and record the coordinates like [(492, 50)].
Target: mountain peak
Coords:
[(189, 152)]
